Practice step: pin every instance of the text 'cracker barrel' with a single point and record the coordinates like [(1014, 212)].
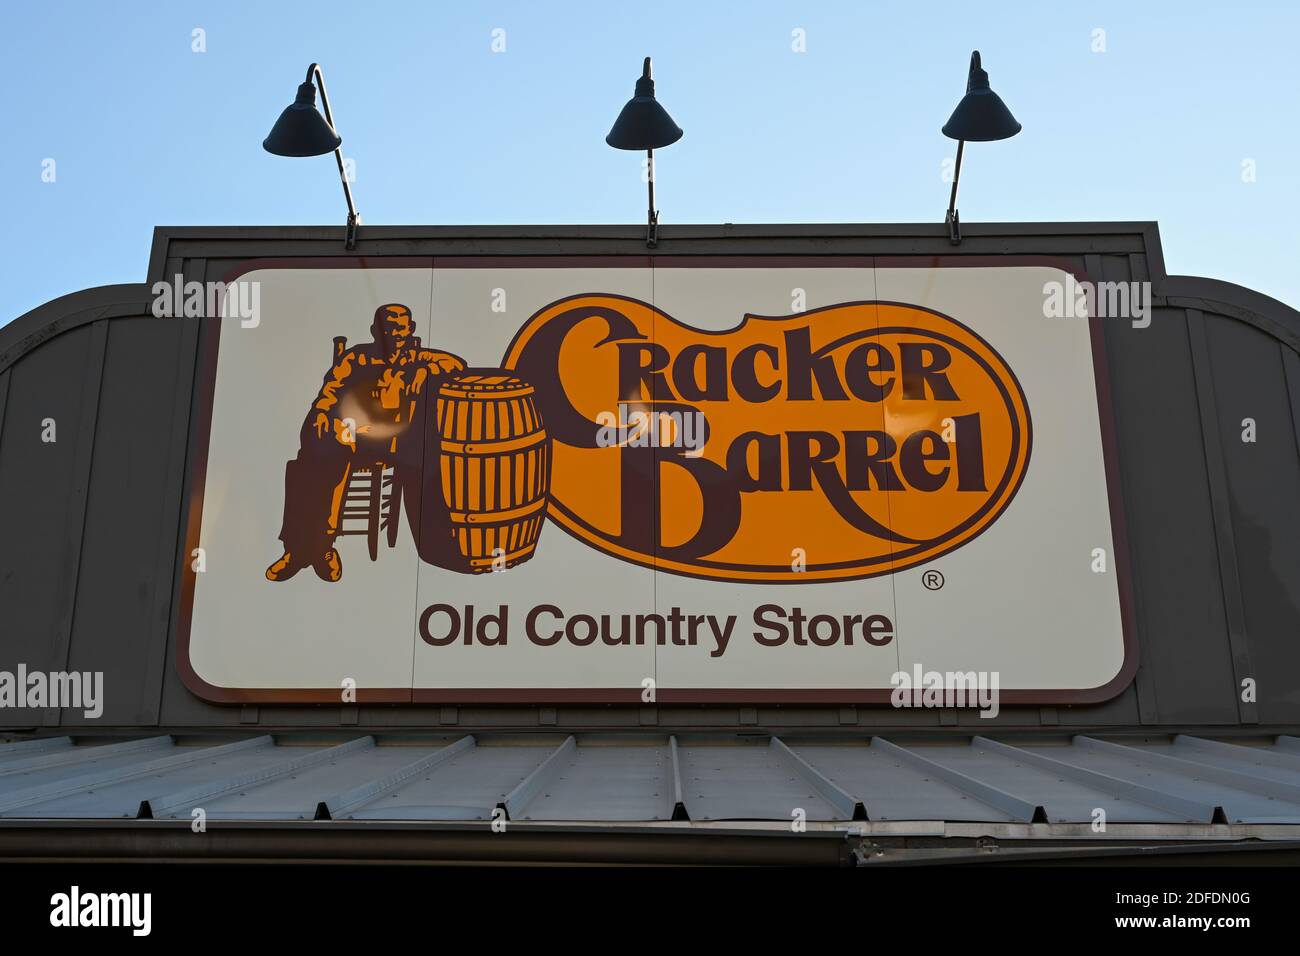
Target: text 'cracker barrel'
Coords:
[(496, 466)]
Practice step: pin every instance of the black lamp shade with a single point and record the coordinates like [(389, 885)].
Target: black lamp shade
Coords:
[(301, 130), (643, 123), (981, 116)]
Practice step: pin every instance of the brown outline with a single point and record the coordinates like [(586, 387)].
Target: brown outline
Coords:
[(198, 455)]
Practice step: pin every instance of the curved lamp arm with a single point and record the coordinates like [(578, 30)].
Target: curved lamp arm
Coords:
[(353, 219), (953, 220)]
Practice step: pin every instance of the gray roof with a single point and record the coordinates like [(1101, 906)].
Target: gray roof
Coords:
[(606, 778)]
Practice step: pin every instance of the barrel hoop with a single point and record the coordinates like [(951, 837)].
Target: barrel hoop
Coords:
[(489, 394), (492, 446), (497, 517), (512, 556)]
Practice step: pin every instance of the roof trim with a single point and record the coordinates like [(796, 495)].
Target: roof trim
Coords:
[(1264, 312), (68, 312), (680, 231)]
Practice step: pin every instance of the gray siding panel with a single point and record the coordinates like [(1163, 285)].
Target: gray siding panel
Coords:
[(1182, 627), (1263, 482), (118, 579), (36, 489)]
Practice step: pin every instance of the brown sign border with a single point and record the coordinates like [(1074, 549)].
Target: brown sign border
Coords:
[(201, 422)]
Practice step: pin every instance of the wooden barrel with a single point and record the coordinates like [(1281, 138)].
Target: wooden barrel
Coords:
[(495, 458)]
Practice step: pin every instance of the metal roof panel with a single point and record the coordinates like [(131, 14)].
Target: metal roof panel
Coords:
[(602, 778)]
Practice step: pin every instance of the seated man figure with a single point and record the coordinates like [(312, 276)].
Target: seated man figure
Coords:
[(372, 410)]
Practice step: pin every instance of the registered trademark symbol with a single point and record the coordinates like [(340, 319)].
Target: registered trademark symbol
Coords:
[(932, 580)]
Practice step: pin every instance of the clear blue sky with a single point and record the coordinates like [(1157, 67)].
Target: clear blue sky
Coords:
[(144, 131)]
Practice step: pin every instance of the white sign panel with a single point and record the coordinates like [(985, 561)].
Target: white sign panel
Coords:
[(668, 479)]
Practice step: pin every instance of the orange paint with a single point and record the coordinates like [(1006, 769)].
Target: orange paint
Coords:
[(870, 436)]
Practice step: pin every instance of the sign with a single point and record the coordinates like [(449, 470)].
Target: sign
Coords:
[(651, 480)]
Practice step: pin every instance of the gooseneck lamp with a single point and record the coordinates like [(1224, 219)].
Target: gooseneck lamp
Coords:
[(302, 131), (645, 124), (980, 117)]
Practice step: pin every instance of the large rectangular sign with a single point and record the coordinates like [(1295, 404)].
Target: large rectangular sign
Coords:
[(633, 479)]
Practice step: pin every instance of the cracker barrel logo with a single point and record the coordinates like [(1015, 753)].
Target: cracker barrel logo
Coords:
[(840, 443)]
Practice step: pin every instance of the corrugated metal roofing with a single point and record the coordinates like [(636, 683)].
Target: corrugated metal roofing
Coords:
[(618, 779)]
